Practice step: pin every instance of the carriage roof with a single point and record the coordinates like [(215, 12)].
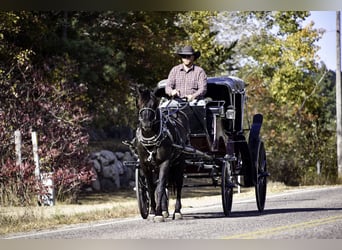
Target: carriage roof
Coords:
[(233, 83), (218, 88)]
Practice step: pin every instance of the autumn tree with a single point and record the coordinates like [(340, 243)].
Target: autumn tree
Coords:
[(285, 81), (38, 93)]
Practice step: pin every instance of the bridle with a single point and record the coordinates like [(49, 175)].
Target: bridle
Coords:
[(144, 110), (156, 139)]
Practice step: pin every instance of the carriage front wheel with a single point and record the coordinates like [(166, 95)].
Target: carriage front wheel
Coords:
[(226, 189), (142, 194), (261, 177)]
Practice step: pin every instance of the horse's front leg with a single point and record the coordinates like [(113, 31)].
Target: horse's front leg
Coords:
[(160, 190), (165, 204), (151, 187), (151, 192)]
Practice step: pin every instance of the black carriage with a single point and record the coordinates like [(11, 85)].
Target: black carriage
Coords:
[(219, 149)]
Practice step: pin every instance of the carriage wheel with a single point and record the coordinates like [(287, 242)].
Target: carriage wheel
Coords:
[(261, 177), (226, 189), (142, 193)]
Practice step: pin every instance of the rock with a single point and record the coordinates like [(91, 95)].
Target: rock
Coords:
[(95, 184), (108, 185), (110, 172)]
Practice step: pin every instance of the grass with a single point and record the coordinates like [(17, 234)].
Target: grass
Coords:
[(103, 206), (92, 207)]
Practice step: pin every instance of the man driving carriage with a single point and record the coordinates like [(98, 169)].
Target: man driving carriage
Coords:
[(187, 80)]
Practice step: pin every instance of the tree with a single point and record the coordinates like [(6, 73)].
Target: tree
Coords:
[(38, 93), (285, 82), (216, 58)]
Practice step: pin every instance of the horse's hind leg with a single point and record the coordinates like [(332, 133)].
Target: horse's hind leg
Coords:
[(177, 215)]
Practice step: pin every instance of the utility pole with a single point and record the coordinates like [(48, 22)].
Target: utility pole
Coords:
[(338, 95)]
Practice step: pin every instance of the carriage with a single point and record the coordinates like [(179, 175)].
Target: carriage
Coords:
[(218, 149)]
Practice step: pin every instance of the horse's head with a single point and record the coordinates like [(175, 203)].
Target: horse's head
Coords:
[(147, 104)]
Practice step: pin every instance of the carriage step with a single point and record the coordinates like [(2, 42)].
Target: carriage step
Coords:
[(232, 185), (264, 174)]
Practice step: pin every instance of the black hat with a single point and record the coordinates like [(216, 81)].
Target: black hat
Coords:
[(188, 50)]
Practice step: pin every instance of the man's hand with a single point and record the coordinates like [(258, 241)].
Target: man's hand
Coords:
[(190, 98), (174, 92)]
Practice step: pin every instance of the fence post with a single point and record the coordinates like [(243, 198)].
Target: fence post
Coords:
[(18, 160), (17, 141), (318, 166), (35, 154), (47, 199)]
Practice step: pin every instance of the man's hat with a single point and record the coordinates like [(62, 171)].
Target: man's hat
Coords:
[(188, 50)]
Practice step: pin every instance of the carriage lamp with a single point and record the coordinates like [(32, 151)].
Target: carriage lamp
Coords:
[(230, 113)]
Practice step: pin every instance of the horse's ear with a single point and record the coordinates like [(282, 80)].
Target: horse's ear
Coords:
[(155, 91), (132, 88), (153, 96), (136, 89)]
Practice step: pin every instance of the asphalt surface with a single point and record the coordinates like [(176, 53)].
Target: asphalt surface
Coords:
[(297, 214)]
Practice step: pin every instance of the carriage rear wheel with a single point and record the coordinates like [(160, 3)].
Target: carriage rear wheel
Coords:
[(261, 177), (142, 193), (226, 189)]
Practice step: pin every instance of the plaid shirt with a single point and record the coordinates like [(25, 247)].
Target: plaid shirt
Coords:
[(192, 82)]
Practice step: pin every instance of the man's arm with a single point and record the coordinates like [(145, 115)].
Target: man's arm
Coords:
[(170, 83), (202, 85)]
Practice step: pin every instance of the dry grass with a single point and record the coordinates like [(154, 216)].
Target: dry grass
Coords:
[(94, 207)]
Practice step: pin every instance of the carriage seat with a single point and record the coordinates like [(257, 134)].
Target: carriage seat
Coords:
[(195, 111)]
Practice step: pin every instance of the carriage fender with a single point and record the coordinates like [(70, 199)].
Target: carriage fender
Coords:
[(254, 140), (255, 129)]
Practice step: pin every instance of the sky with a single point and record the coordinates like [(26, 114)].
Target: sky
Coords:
[(327, 21)]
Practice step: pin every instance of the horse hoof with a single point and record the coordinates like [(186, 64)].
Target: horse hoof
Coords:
[(158, 218), (150, 217), (165, 214), (177, 216)]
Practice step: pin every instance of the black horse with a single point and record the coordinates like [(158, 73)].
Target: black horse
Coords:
[(161, 163)]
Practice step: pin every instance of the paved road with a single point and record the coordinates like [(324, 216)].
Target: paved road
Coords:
[(297, 214)]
